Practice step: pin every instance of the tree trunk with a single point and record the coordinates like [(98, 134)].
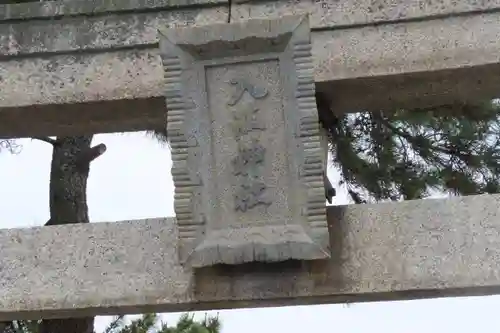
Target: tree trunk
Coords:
[(71, 158), (69, 172)]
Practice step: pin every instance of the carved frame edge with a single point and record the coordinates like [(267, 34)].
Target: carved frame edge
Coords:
[(295, 29), (184, 181), (261, 29), (313, 161)]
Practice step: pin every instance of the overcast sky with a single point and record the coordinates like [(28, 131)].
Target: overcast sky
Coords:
[(132, 180)]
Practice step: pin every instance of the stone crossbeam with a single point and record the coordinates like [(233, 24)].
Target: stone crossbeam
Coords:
[(390, 251), (95, 67)]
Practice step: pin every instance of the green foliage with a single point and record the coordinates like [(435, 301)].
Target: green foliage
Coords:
[(408, 153), (148, 323), (187, 324), (159, 135), (23, 326)]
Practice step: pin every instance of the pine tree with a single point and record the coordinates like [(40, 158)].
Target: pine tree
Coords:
[(406, 154), (148, 323)]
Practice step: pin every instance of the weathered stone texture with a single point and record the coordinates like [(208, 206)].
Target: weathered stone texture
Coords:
[(408, 44), (390, 251), (48, 9), (342, 14), (98, 32), (424, 46), (81, 78), (123, 64), (241, 103), (343, 54)]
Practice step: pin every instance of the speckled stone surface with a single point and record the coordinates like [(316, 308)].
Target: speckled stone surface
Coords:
[(47, 9), (371, 51), (92, 58), (103, 52), (46, 64), (340, 14), (341, 54), (409, 250)]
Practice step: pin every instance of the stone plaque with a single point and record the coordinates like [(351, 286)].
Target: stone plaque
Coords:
[(247, 156)]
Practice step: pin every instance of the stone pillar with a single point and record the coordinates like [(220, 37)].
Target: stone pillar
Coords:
[(247, 155)]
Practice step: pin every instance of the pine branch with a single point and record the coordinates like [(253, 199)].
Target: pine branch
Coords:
[(464, 157), (115, 324), (90, 154), (413, 140), (6, 327)]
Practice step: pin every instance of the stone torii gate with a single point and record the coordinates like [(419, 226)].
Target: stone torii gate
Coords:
[(240, 96)]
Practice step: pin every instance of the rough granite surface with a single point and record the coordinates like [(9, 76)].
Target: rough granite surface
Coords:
[(390, 251), (339, 54), (48, 9), (107, 50), (336, 14)]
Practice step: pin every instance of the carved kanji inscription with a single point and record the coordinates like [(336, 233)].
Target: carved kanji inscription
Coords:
[(250, 186), (242, 85), (250, 189), (245, 121)]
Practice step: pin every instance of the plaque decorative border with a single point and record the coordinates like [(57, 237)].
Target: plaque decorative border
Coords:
[(185, 52)]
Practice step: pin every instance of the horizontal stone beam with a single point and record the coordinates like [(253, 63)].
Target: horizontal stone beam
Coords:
[(389, 251), (383, 55), (88, 67), (415, 90)]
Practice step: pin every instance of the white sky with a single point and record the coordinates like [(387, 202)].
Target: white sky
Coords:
[(132, 180)]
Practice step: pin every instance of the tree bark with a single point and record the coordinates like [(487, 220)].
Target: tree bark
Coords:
[(69, 172)]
